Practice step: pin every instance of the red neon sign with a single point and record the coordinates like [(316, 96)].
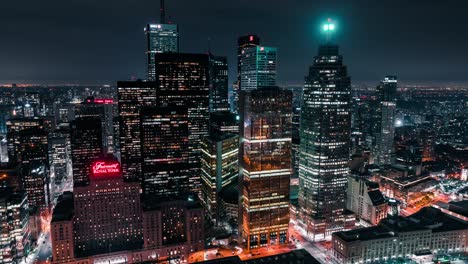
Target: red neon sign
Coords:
[(103, 101), (103, 168)]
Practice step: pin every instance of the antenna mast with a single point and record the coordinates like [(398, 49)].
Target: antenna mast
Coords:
[(162, 11)]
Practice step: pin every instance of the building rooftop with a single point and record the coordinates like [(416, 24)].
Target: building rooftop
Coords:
[(437, 220), (376, 197), (64, 209), (363, 234)]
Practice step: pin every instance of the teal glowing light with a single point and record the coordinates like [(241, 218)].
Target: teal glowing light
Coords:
[(329, 26)]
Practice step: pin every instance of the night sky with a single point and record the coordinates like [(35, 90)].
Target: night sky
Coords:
[(88, 41)]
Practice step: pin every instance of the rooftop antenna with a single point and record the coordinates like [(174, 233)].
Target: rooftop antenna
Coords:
[(162, 12), (209, 45)]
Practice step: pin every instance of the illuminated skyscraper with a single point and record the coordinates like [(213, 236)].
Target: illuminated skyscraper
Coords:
[(102, 108), (14, 231), (219, 168), (183, 82), (325, 142), (160, 38), (165, 151), (33, 153), (132, 96), (218, 84), (258, 67), (243, 42), (265, 165), (386, 93), (14, 127), (86, 145)]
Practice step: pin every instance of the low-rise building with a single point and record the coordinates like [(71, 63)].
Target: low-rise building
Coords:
[(428, 231), (365, 200)]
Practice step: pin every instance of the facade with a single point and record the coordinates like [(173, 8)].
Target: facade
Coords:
[(243, 42), (33, 153), (364, 198), (59, 158), (183, 82), (132, 96), (325, 144), (258, 67), (218, 84), (105, 222), (219, 168), (107, 211), (428, 231), (102, 108), (14, 127), (14, 230), (386, 93), (224, 122), (165, 151), (160, 38), (265, 166), (86, 145)]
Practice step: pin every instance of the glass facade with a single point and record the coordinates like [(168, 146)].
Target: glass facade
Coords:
[(219, 168), (132, 96), (243, 42), (86, 145), (386, 93), (325, 144), (165, 151), (258, 67), (160, 38), (265, 165), (218, 84), (183, 82)]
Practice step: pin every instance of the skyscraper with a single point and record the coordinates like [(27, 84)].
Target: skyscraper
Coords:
[(33, 153), (258, 67), (325, 142), (243, 42), (86, 145), (386, 94), (132, 96), (219, 168), (218, 84), (183, 82), (160, 38), (102, 108), (14, 216), (165, 151), (265, 165), (14, 127)]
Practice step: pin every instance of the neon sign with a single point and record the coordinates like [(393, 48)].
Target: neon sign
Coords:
[(103, 101), (103, 168)]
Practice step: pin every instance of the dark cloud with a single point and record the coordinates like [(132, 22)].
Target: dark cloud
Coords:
[(88, 40)]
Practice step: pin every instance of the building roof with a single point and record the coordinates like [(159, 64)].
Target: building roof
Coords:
[(228, 260), (363, 234), (437, 221), (376, 197), (64, 209), (300, 256)]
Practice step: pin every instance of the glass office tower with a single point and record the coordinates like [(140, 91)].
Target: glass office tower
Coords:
[(265, 165), (325, 143), (258, 67)]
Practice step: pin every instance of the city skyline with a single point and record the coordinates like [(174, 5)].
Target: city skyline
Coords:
[(224, 154), (110, 43)]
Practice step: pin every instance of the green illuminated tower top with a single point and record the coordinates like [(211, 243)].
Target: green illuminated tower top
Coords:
[(328, 28)]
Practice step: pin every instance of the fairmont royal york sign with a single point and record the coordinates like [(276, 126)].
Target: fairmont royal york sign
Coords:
[(105, 169)]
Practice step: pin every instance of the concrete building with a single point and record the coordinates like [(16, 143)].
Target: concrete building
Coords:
[(428, 231), (364, 198)]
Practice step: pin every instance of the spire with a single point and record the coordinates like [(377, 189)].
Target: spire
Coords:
[(162, 11), (328, 29)]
